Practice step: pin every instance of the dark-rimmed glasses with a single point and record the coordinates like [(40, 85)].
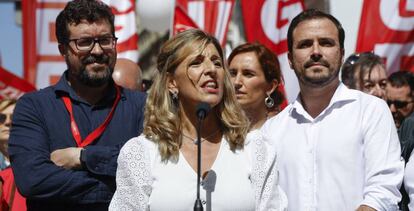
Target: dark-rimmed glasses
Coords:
[(87, 44), (3, 117), (398, 103)]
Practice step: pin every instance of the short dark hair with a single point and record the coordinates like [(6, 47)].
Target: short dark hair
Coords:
[(365, 62), (402, 78), (311, 14), (77, 10), (269, 63)]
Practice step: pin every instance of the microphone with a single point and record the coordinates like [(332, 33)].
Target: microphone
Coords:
[(202, 110)]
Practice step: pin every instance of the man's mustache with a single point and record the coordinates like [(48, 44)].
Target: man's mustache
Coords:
[(312, 62), (94, 59)]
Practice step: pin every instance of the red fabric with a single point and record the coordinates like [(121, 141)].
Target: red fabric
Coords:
[(389, 32), (271, 33), (215, 16), (182, 21), (29, 40), (11, 86), (19, 202)]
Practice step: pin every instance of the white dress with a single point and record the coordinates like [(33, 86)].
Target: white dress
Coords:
[(241, 180)]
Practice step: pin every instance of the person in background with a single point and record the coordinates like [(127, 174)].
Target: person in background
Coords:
[(127, 74), (6, 109), (400, 95), (337, 148), (255, 74), (10, 197), (65, 139), (238, 174), (365, 72), (400, 99)]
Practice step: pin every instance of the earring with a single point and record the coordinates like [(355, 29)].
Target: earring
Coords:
[(174, 95), (269, 102)]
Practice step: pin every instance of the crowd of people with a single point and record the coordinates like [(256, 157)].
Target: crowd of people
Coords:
[(95, 141)]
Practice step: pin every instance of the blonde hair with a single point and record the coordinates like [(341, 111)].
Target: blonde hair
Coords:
[(5, 103), (162, 122)]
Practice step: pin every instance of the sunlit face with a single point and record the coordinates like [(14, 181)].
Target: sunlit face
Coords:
[(374, 83), (94, 67), (316, 54), (199, 78), (249, 81), (5, 127), (400, 102)]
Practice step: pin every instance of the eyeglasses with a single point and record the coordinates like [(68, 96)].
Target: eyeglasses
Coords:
[(398, 104), (86, 44), (3, 117)]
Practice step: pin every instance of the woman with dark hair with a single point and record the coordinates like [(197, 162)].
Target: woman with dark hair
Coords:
[(156, 171), (255, 73)]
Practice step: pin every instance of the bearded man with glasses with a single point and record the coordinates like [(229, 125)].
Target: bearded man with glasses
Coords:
[(66, 138)]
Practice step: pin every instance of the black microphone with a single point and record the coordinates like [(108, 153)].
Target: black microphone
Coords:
[(202, 110)]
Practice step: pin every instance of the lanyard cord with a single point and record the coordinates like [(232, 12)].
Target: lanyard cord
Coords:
[(98, 131)]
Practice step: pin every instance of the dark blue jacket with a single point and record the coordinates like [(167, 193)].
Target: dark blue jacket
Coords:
[(41, 124)]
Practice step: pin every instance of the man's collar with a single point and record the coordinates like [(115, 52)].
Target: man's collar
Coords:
[(63, 87), (342, 95)]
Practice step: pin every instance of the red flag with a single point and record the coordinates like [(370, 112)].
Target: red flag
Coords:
[(43, 64), (11, 86), (125, 30), (267, 22), (212, 16), (387, 28), (181, 20)]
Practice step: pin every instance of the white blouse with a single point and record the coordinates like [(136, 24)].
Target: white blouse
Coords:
[(241, 180)]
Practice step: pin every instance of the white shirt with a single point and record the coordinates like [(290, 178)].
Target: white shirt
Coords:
[(347, 156), (241, 180), (409, 180)]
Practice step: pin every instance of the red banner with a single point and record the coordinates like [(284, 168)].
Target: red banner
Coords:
[(12, 86), (387, 28), (43, 64), (212, 16), (181, 20), (267, 22)]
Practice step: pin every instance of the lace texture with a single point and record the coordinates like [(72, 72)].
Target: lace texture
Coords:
[(133, 177), (268, 194)]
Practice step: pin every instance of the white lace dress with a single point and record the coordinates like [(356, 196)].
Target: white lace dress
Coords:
[(241, 180)]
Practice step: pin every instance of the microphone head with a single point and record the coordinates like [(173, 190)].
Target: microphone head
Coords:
[(202, 110)]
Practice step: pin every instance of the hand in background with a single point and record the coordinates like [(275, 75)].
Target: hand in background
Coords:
[(68, 158)]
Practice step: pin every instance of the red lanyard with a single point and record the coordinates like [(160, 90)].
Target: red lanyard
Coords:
[(98, 131)]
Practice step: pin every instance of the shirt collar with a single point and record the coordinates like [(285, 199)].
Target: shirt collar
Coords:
[(62, 86), (341, 96)]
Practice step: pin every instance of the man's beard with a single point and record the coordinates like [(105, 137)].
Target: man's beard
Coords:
[(318, 81), (98, 79)]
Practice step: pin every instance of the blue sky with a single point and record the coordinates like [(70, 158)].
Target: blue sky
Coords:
[(11, 41)]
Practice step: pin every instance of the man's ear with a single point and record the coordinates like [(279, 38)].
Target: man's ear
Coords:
[(62, 49), (342, 55), (290, 60)]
